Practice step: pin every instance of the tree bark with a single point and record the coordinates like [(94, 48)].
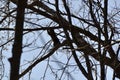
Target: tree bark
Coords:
[(17, 46)]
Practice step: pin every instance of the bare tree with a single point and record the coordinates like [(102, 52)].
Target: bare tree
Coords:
[(17, 45), (85, 33)]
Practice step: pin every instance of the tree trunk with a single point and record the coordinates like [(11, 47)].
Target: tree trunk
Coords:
[(17, 46)]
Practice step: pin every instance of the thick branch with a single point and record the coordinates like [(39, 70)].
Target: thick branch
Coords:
[(17, 46)]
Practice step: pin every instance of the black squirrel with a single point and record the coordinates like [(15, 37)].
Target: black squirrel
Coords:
[(53, 35)]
